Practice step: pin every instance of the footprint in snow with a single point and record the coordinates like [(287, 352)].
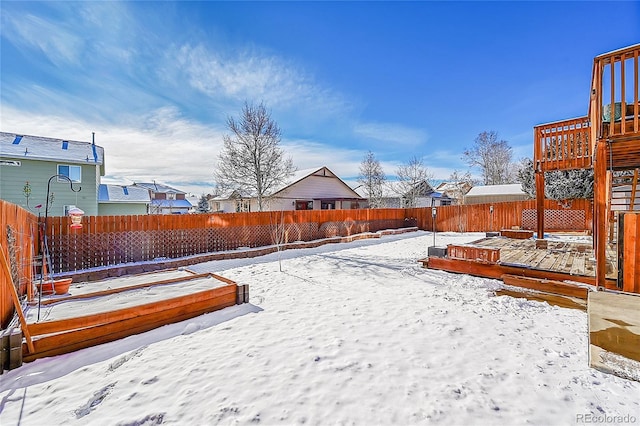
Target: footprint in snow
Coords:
[(97, 398)]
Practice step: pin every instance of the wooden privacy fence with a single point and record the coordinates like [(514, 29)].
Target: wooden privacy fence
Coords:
[(523, 214), (17, 241), (115, 240)]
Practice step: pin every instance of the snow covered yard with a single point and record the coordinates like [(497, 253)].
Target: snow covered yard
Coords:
[(353, 333)]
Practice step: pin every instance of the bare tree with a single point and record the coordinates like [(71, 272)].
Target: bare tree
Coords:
[(492, 157), (251, 159), (372, 178), (461, 183), (413, 180)]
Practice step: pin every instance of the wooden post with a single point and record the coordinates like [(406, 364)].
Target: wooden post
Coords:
[(600, 211), (540, 203), (16, 301)]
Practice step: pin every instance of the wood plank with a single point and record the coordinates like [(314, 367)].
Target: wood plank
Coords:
[(552, 299), (125, 313), (547, 286), (131, 287), (462, 266), (74, 340)]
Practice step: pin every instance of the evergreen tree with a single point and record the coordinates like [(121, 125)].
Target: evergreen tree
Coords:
[(558, 184), (203, 204)]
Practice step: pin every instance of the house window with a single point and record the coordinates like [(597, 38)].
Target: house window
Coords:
[(171, 196), (66, 208), (304, 205), (328, 205), (72, 172), (243, 206)]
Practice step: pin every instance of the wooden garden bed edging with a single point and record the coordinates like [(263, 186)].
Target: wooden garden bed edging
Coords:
[(57, 337)]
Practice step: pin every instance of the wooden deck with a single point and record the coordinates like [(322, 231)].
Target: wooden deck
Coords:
[(541, 259), (614, 333)]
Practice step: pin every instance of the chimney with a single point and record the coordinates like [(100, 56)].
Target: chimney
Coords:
[(93, 138)]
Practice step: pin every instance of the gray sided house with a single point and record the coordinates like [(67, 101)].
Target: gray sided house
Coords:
[(114, 200), (28, 163), (165, 199)]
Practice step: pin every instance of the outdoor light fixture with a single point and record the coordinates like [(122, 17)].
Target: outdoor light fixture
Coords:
[(76, 218), (491, 218), (45, 247), (433, 221)]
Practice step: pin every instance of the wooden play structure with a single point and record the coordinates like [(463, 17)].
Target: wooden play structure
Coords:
[(607, 140)]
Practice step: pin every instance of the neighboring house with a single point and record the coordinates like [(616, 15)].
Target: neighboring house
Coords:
[(424, 195), (495, 194), (29, 163), (114, 200), (454, 191), (311, 189), (165, 199)]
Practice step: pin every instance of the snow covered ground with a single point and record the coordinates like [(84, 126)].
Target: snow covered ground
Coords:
[(353, 333)]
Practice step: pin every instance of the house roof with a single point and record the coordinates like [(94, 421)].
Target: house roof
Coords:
[(176, 204), (158, 187), (108, 193), (394, 190), (49, 149), (509, 189), (303, 174), (292, 180)]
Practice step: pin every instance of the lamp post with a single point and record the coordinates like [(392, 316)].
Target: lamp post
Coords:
[(76, 218), (491, 218), (433, 222)]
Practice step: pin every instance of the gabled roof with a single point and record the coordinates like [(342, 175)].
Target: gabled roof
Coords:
[(29, 147), (303, 174), (108, 193), (158, 187), (293, 179)]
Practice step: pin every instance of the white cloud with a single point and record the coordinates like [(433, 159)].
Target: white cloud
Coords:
[(391, 132), (247, 74), (163, 145), (27, 31)]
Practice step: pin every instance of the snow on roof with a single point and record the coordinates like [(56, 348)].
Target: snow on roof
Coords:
[(509, 189), (158, 187), (108, 193), (29, 147), (178, 204)]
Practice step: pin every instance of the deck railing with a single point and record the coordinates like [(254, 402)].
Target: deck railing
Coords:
[(614, 109), (562, 145)]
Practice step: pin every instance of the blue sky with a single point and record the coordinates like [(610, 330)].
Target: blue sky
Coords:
[(157, 80)]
